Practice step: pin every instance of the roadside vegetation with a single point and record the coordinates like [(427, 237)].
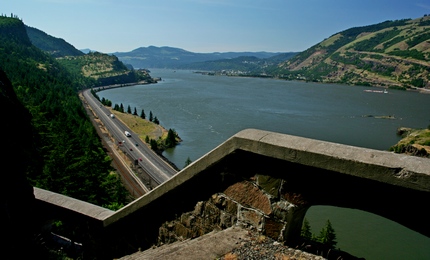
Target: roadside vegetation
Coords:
[(146, 127), (414, 142)]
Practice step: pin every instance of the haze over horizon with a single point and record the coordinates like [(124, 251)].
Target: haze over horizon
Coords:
[(205, 25)]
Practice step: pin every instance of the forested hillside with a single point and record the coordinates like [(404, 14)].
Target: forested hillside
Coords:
[(389, 54), (88, 70), (99, 69), (55, 46), (68, 157)]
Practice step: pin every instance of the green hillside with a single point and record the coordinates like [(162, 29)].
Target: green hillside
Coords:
[(66, 154), (88, 70), (101, 69), (393, 54), (56, 47)]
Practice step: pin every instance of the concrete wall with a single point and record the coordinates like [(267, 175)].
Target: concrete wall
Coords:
[(268, 181)]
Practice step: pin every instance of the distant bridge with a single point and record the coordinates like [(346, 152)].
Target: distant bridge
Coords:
[(265, 179)]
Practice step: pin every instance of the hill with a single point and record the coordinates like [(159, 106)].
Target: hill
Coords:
[(67, 150), (101, 69), (242, 65), (389, 54), (55, 46), (176, 58), (88, 69)]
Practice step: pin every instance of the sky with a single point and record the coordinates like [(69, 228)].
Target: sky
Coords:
[(205, 26)]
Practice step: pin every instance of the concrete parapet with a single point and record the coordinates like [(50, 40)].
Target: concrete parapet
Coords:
[(72, 206), (266, 180)]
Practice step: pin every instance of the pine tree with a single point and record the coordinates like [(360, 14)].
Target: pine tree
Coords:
[(171, 138), (306, 230), (187, 162), (150, 116), (135, 111), (156, 121), (129, 109), (153, 144), (142, 114), (327, 235)]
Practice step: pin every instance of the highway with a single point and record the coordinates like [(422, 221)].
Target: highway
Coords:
[(157, 169)]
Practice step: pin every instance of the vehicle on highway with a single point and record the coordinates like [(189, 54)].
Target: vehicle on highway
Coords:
[(127, 133), (112, 115)]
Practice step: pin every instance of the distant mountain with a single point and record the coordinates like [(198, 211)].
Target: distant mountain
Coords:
[(389, 54), (86, 51), (55, 46), (89, 70), (249, 65), (170, 57)]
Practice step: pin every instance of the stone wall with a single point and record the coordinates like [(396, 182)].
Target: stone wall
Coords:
[(257, 202)]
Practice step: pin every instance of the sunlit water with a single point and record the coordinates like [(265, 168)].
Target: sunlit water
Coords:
[(207, 110)]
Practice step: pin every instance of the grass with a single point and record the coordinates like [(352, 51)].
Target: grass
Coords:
[(419, 138), (141, 127)]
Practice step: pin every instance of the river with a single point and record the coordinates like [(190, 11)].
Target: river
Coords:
[(207, 110)]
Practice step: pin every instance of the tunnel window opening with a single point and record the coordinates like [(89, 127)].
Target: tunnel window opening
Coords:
[(364, 234)]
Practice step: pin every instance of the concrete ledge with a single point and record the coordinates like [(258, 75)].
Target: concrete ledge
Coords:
[(383, 166), (301, 171), (396, 169), (73, 205)]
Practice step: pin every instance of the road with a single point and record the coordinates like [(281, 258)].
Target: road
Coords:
[(158, 169)]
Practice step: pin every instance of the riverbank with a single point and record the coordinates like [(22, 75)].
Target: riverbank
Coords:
[(144, 82), (146, 130), (414, 142)]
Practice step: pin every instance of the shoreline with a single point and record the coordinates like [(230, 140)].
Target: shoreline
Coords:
[(215, 73), (159, 152), (143, 82)]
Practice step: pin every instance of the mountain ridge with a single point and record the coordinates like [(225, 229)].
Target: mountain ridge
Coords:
[(177, 58), (392, 54)]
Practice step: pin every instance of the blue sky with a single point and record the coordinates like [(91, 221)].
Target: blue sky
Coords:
[(205, 25)]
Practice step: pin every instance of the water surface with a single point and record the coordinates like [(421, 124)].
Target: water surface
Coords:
[(207, 110)]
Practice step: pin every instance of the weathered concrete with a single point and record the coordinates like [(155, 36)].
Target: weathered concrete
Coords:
[(263, 179), (72, 206), (211, 246)]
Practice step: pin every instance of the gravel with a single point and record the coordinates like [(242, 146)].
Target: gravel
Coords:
[(257, 247)]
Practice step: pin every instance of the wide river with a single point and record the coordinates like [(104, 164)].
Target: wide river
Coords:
[(207, 110)]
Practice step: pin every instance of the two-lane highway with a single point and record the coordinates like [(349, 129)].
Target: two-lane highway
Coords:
[(148, 160)]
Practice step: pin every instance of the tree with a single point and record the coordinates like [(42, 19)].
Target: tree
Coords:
[(135, 111), (171, 138), (151, 116), (187, 162), (142, 114), (327, 235), (306, 230), (128, 109), (156, 121), (153, 144), (121, 108)]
